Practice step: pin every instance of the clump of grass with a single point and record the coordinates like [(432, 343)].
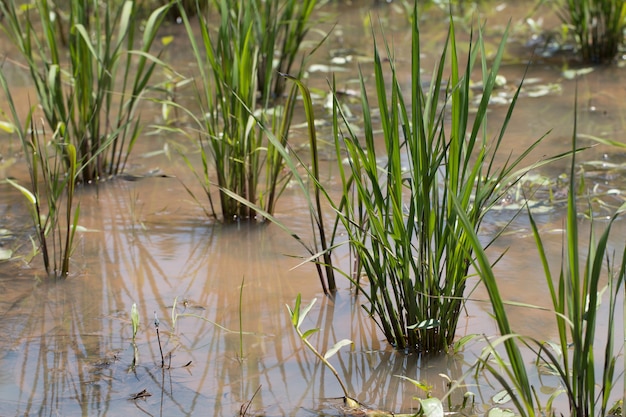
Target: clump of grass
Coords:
[(53, 167), (322, 245), (51, 198), (191, 7), (598, 26), (577, 293), (95, 93), (397, 204), (281, 26), (231, 63)]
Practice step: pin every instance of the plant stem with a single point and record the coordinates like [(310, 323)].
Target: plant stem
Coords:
[(324, 361), (241, 319), (156, 325)]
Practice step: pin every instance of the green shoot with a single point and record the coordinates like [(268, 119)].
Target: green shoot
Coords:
[(134, 319), (297, 318)]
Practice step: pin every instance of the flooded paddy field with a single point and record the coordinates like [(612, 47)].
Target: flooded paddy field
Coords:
[(214, 335)]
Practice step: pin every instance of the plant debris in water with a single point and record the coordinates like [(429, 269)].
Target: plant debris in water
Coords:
[(141, 395), (601, 185)]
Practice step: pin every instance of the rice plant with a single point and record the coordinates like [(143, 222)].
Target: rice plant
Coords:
[(306, 176), (598, 26), (281, 26), (398, 197), (235, 152), (53, 167), (583, 360), (191, 8), (94, 93)]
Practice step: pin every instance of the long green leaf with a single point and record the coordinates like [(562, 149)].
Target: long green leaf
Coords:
[(25, 192)]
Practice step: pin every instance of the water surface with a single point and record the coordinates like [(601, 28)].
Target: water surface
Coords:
[(219, 292)]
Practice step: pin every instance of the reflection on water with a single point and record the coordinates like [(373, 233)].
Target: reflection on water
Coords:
[(68, 346), (69, 349), (52, 339), (220, 292)]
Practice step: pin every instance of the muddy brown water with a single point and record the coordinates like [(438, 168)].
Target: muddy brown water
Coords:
[(65, 347)]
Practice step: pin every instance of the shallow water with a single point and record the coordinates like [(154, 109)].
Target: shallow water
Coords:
[(219, 292)]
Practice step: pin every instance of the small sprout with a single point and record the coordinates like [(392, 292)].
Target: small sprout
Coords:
[(466, 397), (297, 317), (156, 325), (134, 318)]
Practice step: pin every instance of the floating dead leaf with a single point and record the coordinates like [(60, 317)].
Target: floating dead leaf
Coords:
[(7, 126), (83, 229), (326, 68), (341, 60), (570, 74), (499, 412), (501, 397), (532, 80), (140, 395), (542, 90), (5, 254)]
